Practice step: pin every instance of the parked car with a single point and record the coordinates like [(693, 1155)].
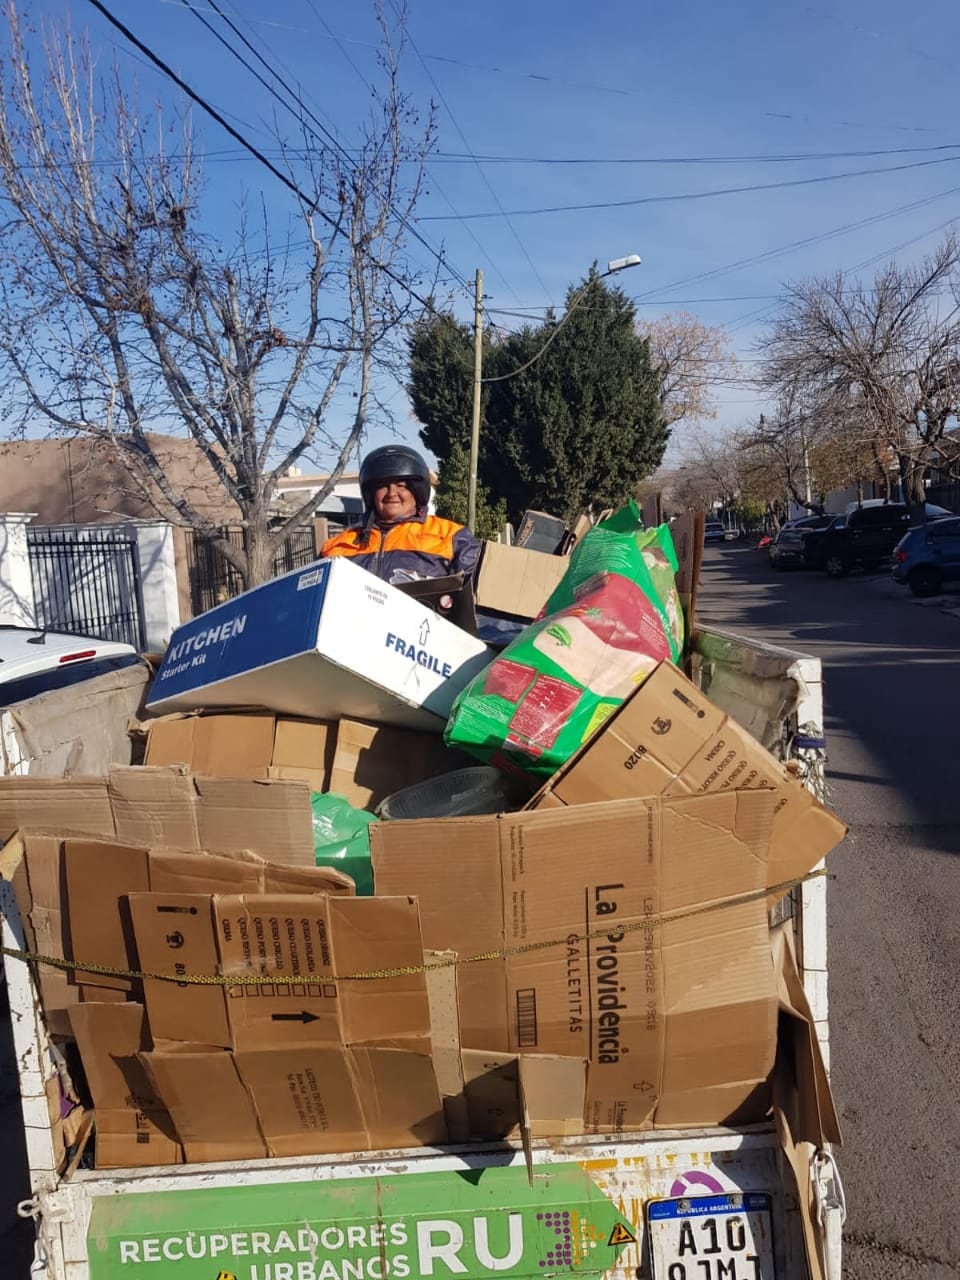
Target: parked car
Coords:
[(868, 536), (787, 547), (34, 661), (928, 556), (814, 543), (714, 531)]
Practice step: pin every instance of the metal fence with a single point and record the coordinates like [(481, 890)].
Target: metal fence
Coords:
[(214, 579), (945, 495), (87, 581)]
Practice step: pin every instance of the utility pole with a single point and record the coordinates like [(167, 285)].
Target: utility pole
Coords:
[(477, 389)]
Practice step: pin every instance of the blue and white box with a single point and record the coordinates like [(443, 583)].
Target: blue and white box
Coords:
[(327, 642)]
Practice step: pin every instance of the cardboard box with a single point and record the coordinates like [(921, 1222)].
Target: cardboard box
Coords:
[(134, 1128), (243, 744), (668, 738), (304, 748), (324, 1067), (166, 807), (312, 937), (632, 956), (373, 761), (234, 746), (329, 642), (316, 938), (101, 880), (515, 581)]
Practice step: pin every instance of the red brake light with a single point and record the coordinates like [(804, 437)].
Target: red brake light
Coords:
[(77, 657), (901, 557)]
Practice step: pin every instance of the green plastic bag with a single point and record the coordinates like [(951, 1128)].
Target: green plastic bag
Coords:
[(341, 838), (612, 618)]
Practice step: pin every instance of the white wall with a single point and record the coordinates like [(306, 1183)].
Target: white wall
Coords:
[(158, 582), (16, 585)]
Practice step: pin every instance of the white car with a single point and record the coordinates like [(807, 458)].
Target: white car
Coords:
[(34, 661)]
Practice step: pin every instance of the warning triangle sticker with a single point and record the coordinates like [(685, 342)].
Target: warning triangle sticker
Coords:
[(621, 1235), (226, 1275)]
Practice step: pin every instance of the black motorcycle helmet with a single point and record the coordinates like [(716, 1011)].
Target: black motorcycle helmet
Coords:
[(395, 462)]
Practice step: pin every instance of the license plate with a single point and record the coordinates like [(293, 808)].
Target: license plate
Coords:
[(725, 1237)]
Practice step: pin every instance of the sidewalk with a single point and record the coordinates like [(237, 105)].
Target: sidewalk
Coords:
[(948, 602)]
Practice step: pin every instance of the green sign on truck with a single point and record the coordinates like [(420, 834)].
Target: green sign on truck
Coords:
[(471, 1224)]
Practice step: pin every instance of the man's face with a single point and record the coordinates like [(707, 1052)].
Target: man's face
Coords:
[(394, 501)]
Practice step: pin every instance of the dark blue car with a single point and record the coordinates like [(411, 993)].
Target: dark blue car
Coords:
[(928, 556)]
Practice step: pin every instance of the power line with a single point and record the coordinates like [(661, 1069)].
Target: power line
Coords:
[(480, 170), (805, 242), (457, 157), (363, 80), (698, 195), (205, 106), (562, 81), (303, 108)]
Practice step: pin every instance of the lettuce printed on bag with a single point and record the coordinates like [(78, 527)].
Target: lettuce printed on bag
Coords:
[(612, 618)]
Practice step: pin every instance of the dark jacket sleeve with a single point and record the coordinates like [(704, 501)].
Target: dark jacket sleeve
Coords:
[(466, 553)]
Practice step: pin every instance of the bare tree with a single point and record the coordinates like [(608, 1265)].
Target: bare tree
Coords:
[(689, 358), (122, 313), (885, 358), (707, 474)]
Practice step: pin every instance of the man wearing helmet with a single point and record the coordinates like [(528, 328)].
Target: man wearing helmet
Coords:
[(398, 540)]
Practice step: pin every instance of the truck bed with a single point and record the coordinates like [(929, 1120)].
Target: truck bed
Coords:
[(557, 1207)]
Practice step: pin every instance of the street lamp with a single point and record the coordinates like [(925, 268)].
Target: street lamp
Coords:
[(613, 266)]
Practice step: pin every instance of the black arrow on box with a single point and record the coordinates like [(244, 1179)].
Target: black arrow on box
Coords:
[(303, 1016)]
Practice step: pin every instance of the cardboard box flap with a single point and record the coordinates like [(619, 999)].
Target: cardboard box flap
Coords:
[(64, 806), (441, 977), (305, 744), (172, 872), (447, 864), (218, 746), (491, 1091), (399, 1096), (154, 807), (212, 1112), (281, 879), (552, 1093), (305, 1099), (34, 866), (175, 937), (133, 1126), (801, 1084), (98, 877), (516, 581), (271, 818), (242, 872), (319, 939), (379, 935)]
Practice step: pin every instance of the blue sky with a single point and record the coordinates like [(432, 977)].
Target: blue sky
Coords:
[(691, 79)]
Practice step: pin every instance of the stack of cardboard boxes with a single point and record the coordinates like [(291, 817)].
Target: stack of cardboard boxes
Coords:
[(600, 961)]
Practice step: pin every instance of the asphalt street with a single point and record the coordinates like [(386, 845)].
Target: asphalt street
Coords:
[(892, 681), (892, 710)]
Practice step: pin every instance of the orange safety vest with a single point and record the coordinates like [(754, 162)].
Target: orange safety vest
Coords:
[(424, 547)]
